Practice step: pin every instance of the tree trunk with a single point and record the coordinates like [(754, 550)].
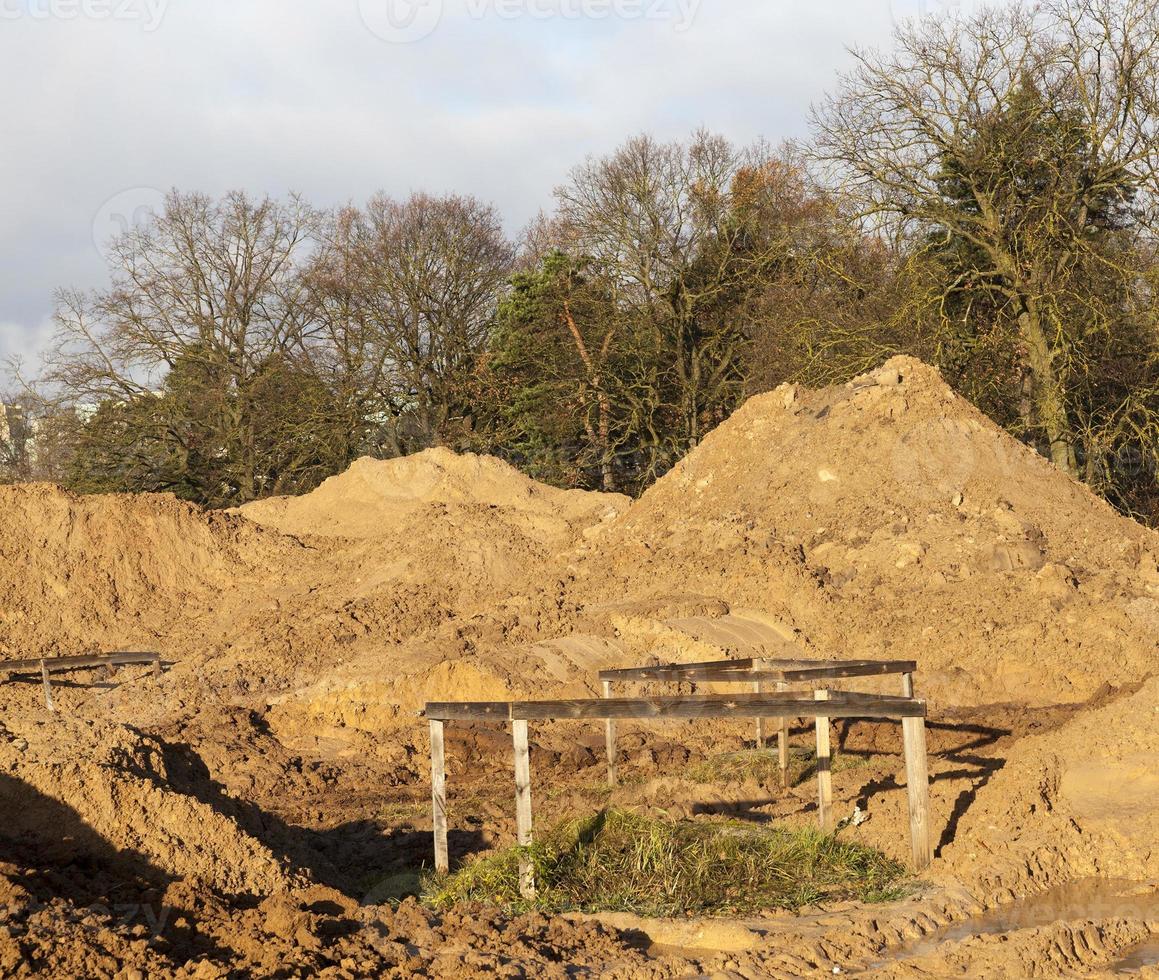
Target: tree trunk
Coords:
[(607, 477), (603, 403), (1049, 398)]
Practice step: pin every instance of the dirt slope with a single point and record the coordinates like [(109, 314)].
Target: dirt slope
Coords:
[(83, 573)]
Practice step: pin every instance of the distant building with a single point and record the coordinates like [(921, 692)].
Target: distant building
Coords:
[(14, 442), (14, 432)]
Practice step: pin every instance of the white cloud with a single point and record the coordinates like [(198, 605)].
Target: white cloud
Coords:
[(272, 95)]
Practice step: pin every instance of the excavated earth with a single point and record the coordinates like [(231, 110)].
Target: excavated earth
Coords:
[(260, 809)]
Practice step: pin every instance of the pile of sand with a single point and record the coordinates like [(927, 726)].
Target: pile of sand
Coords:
[(447, 535), (387, 498), (1076, 801), (86, 573), (891, 518)]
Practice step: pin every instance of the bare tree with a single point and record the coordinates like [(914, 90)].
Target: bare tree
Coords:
[(175, 362), (423, 277), (677, 235), (345, 344)]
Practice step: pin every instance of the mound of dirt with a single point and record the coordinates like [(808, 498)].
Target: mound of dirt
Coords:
[(386, 498), (102, 792), (82, 573), (890, 517), (1078, 801)]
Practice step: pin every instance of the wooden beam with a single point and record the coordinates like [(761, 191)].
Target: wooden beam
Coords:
[(839, 670), (842, 704), (883, 666), (824, 767), (79, 662), (523, 806), (789, 705), (468, 710), (157, 665), (47, 686), (610, 738), (860, 697), (678, 673), (632, 673), (769, 670), (439, 798), (917, 782), (907, 684), (783, 743)]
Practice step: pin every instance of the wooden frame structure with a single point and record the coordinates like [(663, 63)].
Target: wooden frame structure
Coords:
[(758, 672), (821, 705), (50, 665)]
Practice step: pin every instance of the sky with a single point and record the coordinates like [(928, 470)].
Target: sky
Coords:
[(109, 103)]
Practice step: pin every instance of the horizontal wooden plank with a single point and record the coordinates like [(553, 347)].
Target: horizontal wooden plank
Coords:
[(863, 697), (675, 674), (78, 662), (793, 704), (468, 710), (687, 674), (727, 670), (722, 706), (745, 663), (762, 670), (778, 664), (643, 673), (868, 668)]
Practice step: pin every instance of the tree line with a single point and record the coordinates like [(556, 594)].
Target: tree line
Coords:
[(981, 195)]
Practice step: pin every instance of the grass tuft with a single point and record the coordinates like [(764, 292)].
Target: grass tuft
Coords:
[(620, 861)]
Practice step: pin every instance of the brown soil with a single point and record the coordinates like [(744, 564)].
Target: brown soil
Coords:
[(253, 810)]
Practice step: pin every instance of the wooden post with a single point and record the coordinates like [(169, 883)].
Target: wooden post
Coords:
[(523, 806), (110, 671), (907, 685), (824, 771), (610, 738), (157, 666), (783, 744), (47, 686), (758, 688), (439, 798), (917, 782)]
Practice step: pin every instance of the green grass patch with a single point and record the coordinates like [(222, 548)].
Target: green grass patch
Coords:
[(620, 861)]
